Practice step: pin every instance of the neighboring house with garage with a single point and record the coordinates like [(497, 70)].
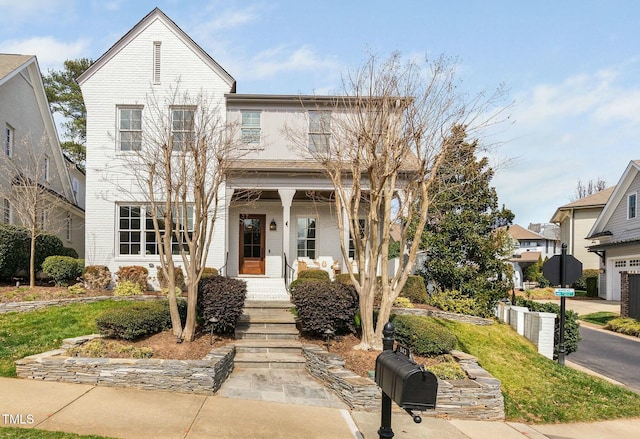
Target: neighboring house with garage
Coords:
[(528, 248), (576, 220), (616, 233)]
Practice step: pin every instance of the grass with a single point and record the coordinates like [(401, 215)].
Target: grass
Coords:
[(29, 333), (536, 389), (599, 318), (547, 294), (32, 433)]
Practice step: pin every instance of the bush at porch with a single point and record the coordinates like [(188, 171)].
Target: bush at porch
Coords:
[(322, 305), (223, 298)]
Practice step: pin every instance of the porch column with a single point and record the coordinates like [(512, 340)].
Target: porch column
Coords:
[(227, 203), (286, 197)]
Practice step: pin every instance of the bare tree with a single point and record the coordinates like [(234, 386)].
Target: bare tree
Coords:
[(25, 183), (388, 135), (180, 161), (589, 188)]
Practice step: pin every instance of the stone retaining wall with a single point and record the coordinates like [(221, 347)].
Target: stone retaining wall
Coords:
[(479, 397), (190, 376), (463, 318), (39, 304)]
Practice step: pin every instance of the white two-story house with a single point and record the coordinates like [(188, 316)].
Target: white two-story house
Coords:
[(276, 205)]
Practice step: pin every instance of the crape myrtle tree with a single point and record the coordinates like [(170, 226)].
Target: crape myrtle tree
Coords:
[(25, 176), (65, 98), (464, 239), (180, 162), (385, 137)]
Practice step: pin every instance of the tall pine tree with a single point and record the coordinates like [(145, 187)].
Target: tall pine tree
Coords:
[(463, 242)]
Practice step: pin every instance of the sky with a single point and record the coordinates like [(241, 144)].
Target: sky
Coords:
[(571, 68)]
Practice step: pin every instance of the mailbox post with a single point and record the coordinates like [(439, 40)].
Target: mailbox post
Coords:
[(403, 381)]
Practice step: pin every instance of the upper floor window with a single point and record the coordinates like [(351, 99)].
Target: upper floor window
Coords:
[(250, 128), (69, 228), (9, 134), (75, 184), (130, 128), (182, 127), (319, 131), (306, 242), (47, 168), (156, 62), (6, 211), (632, 206)]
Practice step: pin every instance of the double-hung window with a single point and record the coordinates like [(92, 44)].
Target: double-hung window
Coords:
[(182, 127), (307, 237), (632, 206), (130, 128), (9, 134), (47, 168), (250, 128), (319, 131), (352, 246), (6, 211)]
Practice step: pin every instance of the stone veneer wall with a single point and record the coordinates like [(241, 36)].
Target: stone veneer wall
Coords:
[(39, 304), (463, 318), (190, 376), (479, 397)]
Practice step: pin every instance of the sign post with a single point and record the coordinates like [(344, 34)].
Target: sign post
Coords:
[(561, 270)]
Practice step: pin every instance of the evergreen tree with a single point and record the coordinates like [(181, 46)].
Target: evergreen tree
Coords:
[(65, 98), (463, 239)]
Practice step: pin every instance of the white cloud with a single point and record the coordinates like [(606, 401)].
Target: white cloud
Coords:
[(275, 61), (51, 53)]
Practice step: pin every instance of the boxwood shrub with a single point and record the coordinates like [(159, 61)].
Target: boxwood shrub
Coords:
[(15, 244), (223, 298), (423, 335), (321, 305), (138, 320), (320, 275), (571, 324), (63, 269), (414, 289)]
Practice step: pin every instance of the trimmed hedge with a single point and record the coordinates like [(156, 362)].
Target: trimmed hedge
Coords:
[(138, 320), (209, 272), (456, 302), (414, 289), (68, 251), (15, 244), (134, 273), (223, 298), (571, 324), (321, 305), (423, 335), (62, 269), (319, 275), (96, 277)]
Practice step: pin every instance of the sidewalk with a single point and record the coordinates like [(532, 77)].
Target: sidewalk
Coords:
[(129, 413)]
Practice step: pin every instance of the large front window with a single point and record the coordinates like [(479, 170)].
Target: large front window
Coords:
[(250, 128), (136, 231), (182, 127), (319, 131), (307, 237), (130, 129)]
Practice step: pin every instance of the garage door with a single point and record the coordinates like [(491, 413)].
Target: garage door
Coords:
[(620, 265)]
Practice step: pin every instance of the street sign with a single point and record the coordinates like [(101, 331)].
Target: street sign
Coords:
[(551, 270), (565, 292)]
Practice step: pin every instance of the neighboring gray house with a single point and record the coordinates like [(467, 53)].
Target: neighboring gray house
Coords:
[(616, 233), (29, 132)]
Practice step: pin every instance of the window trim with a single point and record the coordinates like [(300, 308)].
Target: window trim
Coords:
[(251, 140), (7, 211), (192, 131), (9, 140), (320, 128), (47, 168), (119, 110), (632, 211), (306, 239)]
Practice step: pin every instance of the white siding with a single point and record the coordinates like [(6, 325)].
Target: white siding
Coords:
[(619, 225)]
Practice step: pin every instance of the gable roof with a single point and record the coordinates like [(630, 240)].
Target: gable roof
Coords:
[(152, 16), (519, 233), (615, 199), (599, 199), (12, 64)]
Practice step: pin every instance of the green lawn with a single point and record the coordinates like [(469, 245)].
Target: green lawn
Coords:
[(600, 318), (30, 433), (536, 389), (24, 334)]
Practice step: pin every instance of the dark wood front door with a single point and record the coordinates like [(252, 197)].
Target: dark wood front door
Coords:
[(252, 229)]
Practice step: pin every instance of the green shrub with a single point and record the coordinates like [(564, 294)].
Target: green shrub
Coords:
[(402, 302), (127, 288), (588, 273), (423, 335), (138, 320), (68, 251), (321, 305), (208, 272), (223, 298), (624, 325), (96, 277), (134, 273), (178, 276), (454, 301), (320, 275), (414, 289), (571, 324), (76, 289), (15, 248), (62, 269)]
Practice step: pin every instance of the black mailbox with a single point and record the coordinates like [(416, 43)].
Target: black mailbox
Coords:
[(407, 383)]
